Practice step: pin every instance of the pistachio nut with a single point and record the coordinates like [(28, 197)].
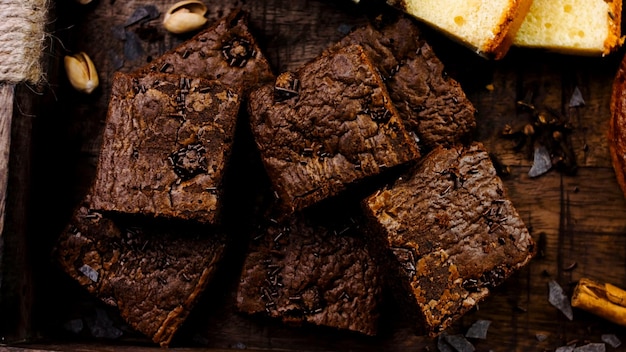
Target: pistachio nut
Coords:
[(185, 16), (81, 72)]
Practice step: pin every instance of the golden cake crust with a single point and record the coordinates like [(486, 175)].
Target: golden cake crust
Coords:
[(507, 29), (511, 16)]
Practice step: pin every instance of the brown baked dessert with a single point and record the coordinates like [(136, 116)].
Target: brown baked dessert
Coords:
[(431, 104), (305, 270), (327, 126), (166, 144), (226, 51), (449, 234), (617, 126), (152, 273)]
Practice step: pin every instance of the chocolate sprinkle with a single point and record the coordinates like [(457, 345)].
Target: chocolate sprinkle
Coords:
[(189, 161)]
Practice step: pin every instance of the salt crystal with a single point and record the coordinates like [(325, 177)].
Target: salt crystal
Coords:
[(90, 272), (542, 162), (558, 299), (611, 340), (443, 345), (459, 343), (591, 347), (142, 13), (577, 99), (478, 330)]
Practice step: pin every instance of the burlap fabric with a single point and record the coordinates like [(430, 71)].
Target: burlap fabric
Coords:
[(22, 37)]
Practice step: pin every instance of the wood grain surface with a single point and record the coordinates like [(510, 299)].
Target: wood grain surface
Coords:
[(579, 220)]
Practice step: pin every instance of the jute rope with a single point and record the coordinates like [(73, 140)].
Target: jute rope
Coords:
[(22, 37)]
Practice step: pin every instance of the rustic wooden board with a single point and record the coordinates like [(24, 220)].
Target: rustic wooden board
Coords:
[(580, 219)]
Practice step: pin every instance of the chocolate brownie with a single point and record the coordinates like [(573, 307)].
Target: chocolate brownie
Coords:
[(167, 141), (304, 270), (328, 125), (431, 104), (226, 51), (449, 233), (153, 274)]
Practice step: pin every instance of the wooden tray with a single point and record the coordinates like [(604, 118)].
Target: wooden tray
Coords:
[(578, 220)]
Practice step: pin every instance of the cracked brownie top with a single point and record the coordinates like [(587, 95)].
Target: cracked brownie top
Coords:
[(166, 142), (326, 126)]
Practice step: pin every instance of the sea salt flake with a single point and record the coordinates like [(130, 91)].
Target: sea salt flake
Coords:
[(90, 272), (478, 330), (459, 343), (565, 349), (591, 347), (577, 99), (542, 162), (443, 345), (611, 340), (559, 300), (133, 49), (143, 13)]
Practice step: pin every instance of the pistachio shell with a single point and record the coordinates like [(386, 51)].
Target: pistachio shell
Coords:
[(81, 72), (185, 16)]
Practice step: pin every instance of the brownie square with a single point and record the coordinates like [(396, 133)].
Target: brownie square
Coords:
[(448, 233), (226, 51), (431, 104), (305, 270), (153, 273), (326, 126), (166, 144)]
